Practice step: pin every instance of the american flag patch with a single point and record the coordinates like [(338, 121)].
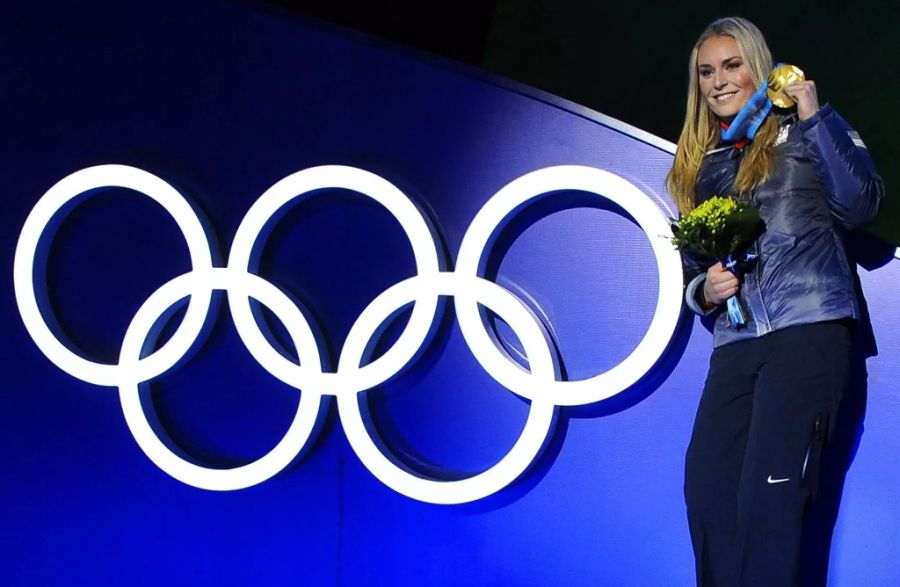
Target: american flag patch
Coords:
[(854, 136)]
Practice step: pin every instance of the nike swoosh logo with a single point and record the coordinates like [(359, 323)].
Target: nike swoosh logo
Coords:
[(771, 481)]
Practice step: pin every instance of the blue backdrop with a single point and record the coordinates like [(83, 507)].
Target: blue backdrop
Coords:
[(222, 100)]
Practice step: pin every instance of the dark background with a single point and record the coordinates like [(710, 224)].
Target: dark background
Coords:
[(629, 60)]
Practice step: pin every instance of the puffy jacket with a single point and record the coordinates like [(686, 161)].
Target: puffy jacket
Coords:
[(823, 183)]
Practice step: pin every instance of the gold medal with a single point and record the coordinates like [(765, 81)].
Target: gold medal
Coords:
[(779, 79)]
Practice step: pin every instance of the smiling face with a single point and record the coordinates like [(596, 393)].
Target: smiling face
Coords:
[(724, 78)]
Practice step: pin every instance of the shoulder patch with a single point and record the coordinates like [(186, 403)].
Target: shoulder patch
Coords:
[(854, 136)]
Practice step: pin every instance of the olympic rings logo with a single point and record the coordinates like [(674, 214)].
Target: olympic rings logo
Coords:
[(353, 375)]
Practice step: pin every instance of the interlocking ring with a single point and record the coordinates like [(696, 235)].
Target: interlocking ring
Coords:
[(58, 197), (355, 374)]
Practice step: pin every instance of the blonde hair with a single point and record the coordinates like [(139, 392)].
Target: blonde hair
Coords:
[(701, 126)]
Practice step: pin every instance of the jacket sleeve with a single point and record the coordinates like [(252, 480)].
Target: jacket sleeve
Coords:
[(694, 277), (843, 166), (692, 296)]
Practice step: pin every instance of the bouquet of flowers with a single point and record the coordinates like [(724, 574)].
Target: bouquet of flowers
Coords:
[(721, 230)]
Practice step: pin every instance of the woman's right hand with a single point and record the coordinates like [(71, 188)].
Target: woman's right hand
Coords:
[(720, 285)]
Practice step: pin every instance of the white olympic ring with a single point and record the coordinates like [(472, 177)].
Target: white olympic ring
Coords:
[(354, 375)]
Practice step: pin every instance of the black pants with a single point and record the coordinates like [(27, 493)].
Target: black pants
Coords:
[(752, 464)]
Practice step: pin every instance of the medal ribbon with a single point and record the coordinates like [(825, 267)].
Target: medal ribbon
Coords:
[(750, 117), (736, 314)]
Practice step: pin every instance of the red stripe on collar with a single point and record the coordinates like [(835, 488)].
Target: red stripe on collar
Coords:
[(737, 144)]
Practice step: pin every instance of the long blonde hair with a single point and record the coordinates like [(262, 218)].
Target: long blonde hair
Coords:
[(701, 126)]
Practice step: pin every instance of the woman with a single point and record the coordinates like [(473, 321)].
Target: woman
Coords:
[(774, 385)]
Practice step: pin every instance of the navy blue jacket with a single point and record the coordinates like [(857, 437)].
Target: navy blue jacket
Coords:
[(822, 184)]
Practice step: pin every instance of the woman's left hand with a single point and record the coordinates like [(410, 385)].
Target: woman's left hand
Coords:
[(804, 94)]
